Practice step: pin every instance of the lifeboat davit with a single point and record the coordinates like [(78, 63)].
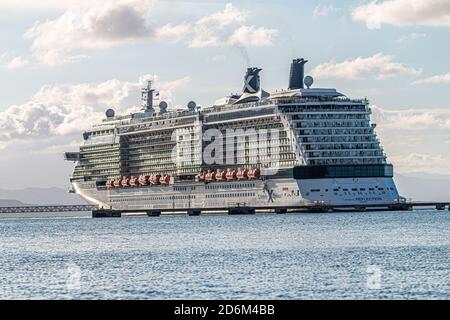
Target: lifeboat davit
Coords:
[(134, 182), (165, 179), (231, 175), (144, 180), (155, 178)]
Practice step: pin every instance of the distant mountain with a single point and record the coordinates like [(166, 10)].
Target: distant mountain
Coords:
[(12, 203), (42, 196), (424, 187)]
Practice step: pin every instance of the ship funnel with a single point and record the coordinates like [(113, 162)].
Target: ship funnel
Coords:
[(297, 74), (252, 82)]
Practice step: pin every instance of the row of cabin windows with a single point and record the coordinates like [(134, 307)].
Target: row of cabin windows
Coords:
[(354, 189), (162, 135), (158, 124), (183, 188), (230, 186), (154, 198), (346, 161), (230, 195)]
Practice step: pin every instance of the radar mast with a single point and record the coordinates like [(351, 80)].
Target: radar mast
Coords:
[(147, 97)]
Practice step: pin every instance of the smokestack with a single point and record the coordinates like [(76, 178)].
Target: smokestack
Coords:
[(252, 82), (297, 74)]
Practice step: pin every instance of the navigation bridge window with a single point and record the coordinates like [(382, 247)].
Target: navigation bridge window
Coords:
[(344, 171)]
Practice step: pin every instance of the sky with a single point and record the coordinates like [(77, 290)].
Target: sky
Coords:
[(64, 62)]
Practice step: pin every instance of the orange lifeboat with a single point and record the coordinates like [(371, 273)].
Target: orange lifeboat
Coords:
[(118, 183), (165, 179), (202, 176), (231, 175), (254, 173), (144, 180), (242, 174), (125, 182), (155, 178), (210, 176), (134, 182), (110, 184), (221, 175)]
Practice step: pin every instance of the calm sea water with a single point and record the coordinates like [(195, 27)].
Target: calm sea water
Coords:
[(296, 256)]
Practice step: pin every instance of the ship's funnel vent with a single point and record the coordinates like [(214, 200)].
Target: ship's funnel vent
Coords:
[(252, 82), (297, 74)]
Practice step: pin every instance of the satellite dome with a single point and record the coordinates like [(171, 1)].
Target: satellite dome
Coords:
[(163, 107), (192, 105), (309, 81), (110, 113)]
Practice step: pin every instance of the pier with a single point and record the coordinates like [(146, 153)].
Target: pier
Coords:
[(240, 209), (247, 210), (50, 208)]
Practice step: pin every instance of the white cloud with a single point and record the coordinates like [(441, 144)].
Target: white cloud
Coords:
[(225, 28), (410, 138), (411, 37), (403, 13), (411, 119), (17, 62), (173, 32), (444, 78), (421, 163), (211, 30), (324, 10), (109, 23), (65, 110), (380, 66), (252, 36), (102, 25), (222, 18)]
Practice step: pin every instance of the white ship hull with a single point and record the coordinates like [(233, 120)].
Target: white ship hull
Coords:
[(275, 193)]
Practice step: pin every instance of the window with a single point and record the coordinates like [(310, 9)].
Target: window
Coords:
[(343, 171)]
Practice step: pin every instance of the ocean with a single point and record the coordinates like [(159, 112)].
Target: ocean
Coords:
[(370, 255)]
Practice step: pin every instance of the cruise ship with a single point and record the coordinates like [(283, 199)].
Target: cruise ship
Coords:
[(300, 147)]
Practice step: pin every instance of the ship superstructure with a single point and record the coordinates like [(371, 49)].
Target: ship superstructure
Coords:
[(287, 148)]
